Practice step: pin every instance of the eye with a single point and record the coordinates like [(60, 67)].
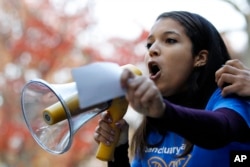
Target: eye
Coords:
[(148, 45), (170, 41)]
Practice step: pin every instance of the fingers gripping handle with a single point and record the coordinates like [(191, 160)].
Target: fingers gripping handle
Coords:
[(117, 110)]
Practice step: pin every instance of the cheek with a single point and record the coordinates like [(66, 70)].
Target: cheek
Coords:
[(175, 78), (146, 57)]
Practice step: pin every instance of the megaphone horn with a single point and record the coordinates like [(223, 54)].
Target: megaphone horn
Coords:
[(52, 114)]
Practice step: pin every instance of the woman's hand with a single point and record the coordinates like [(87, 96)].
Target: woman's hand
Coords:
[(142, 94), (234, 77), (106, 134)]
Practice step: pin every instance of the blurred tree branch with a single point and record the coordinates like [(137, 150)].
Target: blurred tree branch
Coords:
[(246, 14)]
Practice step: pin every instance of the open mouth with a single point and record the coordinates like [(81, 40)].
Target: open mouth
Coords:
[(154, 70)]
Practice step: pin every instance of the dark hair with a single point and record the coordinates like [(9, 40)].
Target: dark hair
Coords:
[(204, 36)]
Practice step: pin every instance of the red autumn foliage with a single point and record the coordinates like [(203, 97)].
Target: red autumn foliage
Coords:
[(39, 40)]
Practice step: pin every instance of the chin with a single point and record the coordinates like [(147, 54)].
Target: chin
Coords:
[(167, 93)]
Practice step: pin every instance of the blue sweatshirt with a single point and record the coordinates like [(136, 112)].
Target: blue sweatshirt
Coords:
[(211, 130)]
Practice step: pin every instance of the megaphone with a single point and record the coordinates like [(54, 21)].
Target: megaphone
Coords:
[(53, 116)]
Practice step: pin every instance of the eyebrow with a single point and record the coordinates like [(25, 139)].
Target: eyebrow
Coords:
[(165, 33)]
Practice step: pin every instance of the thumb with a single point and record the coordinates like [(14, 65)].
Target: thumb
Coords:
[(125, 77)]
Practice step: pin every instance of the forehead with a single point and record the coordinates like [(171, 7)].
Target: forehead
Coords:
[(167, 24)]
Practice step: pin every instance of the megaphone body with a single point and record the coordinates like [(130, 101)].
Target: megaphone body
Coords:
[(53, 115)]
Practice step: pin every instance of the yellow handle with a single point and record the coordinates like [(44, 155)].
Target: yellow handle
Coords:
[(117, 110)]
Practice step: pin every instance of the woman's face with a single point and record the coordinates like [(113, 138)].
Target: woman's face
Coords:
[(169, 57)]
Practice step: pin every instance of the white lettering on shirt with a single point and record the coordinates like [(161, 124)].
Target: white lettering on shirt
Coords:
[(166, 150)]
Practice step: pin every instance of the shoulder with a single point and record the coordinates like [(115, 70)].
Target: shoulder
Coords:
[(233, 102)]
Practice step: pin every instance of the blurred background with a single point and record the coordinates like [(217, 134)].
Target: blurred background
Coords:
[(47, 38)]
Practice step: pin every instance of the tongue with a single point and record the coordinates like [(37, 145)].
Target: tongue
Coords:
[(154, 75)]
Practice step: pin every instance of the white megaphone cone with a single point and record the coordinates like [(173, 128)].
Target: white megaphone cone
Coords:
[(54, 133), (53, 115)]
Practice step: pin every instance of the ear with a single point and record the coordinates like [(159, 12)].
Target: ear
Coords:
[(201, 58)]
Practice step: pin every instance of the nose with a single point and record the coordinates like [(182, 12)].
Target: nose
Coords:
[(154, 50)]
